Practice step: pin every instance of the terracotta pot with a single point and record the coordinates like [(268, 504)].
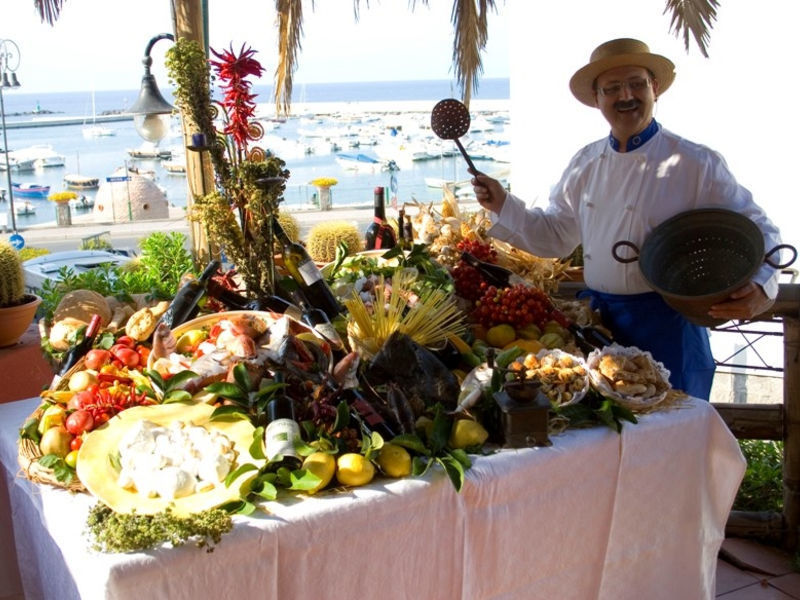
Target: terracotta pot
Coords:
[(15, 320)]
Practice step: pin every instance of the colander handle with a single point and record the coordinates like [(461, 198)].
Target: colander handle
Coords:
[(628, 244), (778, 248)]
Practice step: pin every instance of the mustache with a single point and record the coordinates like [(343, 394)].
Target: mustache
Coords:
[(626, 104)]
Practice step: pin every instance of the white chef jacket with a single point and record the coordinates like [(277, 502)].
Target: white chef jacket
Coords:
[(606, 196)]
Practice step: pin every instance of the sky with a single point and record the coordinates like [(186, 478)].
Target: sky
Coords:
[(96, 44)]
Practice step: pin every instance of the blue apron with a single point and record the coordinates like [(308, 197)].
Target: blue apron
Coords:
[(649, 323)]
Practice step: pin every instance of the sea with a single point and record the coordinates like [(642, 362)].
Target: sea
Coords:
[(308, 141)]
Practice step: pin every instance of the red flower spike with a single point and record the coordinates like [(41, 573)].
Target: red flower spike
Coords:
[(232, 70)]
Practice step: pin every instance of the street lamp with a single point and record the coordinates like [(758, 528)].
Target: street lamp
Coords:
[(151, 113), (9, 63)]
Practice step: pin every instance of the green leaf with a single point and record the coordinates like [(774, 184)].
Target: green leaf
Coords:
[(462, 457), (227, 390), (50, 460), (420, 465), (156, 378), (376, 441), (229, 412), (303, 449), (440, 432), (257, 447), (234, 475), (269, 390), (242, 377), (177, 396), (454, 470), (246, 508), (30, 431), (267, 491), (63, 472), (178, 380), (342, 416), (411, 441), (303, 480)]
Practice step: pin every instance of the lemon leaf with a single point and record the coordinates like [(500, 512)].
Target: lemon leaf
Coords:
[(454, 470), (411, 441), (233, 475), (303, 479), (256, 448)]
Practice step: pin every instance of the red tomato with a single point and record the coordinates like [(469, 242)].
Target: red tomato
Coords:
[(96, 358), (76, 443), (79, 421), (81, 400), (127, 356), (126, 340), (143, 352)]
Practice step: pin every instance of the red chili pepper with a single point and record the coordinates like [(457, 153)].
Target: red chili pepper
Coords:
[(112, 377)]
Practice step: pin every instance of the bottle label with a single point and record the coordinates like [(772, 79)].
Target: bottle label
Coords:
[(309, 272), (279, 438)]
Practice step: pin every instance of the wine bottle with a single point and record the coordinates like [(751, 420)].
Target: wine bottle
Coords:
[(362, 411), (185, 304), (235, 301), (379, 234), (306, 274), (492, 274), (588, 338), (317, 320), (79, 350), (282, 429), (409, 231), (401, 234)]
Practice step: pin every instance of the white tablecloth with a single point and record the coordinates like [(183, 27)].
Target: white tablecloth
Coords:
[(596, 515)]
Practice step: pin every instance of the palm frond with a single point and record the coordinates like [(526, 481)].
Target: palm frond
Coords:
[(470, 22), (290, 31), (695, 17), (49, 10)]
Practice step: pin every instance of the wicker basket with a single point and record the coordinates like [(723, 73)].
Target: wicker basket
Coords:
[(28, 452), (698, 257)]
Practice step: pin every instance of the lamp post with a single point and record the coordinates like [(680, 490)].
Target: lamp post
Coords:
[(151, 113), (9, 62)]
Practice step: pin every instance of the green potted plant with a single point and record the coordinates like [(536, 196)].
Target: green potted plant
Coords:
[(16, 307)]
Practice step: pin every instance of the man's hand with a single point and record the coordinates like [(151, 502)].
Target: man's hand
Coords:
[(490, 193), (744, 303)]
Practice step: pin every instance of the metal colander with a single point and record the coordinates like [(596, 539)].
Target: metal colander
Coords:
[(698, 257)]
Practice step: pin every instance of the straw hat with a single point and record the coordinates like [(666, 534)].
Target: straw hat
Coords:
[(620, 53)]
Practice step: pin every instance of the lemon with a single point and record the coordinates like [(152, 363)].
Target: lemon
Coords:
[(501, 335), (466, 433), (190, 339), (531, 346), (321, 464), (530, 332), (394, 461), (354, 469)]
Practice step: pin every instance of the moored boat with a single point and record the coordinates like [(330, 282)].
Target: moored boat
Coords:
[(81, 182), (30, 190), (149, 150), (24, 209), (81, 203)]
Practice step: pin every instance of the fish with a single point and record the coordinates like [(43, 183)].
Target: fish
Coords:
[(164, 343)]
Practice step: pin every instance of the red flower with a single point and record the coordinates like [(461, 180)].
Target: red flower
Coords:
[(239, 102)]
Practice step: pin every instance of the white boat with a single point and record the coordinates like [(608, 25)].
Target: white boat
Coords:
[(24, 208), (46, 268), (93, 131), (174, 167), (81, 203), (81, 182), (150, 150), (36, 157), (358, 162)]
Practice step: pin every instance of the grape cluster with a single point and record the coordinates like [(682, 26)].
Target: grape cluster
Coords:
[(467, 279), (518, 305)]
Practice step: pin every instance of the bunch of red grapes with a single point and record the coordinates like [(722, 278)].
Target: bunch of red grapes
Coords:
[(518, 305), (467, 279)]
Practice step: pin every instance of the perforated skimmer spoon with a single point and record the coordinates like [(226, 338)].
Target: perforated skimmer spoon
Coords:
[(449, 121)]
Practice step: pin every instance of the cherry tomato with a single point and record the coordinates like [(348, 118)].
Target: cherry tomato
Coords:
[(76, 443), (127, 356), (96, 358), (126, 340), (79, 421)]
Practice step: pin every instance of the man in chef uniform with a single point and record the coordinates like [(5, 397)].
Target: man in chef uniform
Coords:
[(621, 188)]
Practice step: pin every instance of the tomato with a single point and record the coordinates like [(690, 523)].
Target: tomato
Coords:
[(127, 356), (71, 459), (126, 340), (81, 400), (143, 352), (76, 443), (96, 358), (79, 421)]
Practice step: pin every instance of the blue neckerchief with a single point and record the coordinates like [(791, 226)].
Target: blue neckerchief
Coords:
[(636, 140)]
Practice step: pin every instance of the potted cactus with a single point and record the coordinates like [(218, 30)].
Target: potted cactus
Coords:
[(17, 308)]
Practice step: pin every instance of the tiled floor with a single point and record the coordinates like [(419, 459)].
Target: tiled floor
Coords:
[(747, 570)]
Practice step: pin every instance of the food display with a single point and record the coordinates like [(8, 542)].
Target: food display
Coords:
[(183, 419)]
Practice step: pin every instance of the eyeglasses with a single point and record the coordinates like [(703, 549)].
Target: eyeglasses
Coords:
[(634, 85)]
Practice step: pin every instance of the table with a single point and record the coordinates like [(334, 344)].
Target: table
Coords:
[(596, 515)]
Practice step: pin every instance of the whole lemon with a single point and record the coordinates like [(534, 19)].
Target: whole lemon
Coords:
[(466, 433), (354, 469), (323, 465), (501, 335), (394, 461)]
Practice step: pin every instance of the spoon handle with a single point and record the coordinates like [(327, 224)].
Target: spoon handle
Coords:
[(465, 155)]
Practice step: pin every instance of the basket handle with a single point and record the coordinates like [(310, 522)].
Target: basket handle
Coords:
[(778, 248), (628, 244)]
